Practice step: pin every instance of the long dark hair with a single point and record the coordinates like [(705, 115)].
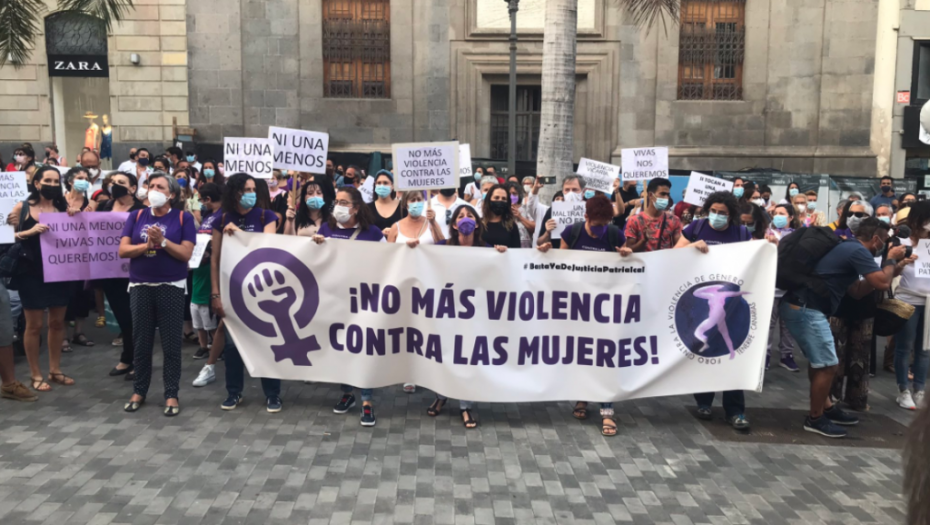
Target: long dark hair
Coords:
[(454, 233), (759, 218), (363, 217), (727, 199), (218, 177), (788, 190), (507, 220), (234, 185), (262, 194), (34, 195), (792, 215), (325, 184)]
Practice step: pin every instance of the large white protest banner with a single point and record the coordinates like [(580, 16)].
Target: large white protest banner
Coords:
[(465, 171), (248, 155), (598, 176), (564, 325), (299, 150), (644, 163), (565, 214), (700, 186), (426, 165)]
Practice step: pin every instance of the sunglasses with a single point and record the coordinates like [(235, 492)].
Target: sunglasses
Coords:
[(859, 214)]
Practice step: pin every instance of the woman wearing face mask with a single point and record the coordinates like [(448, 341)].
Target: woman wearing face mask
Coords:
[(210, 173), (143, 167), (419, 226), (814, 217), (277, 184), (525, 222), (159, 242), (792, 190), (352, 220), (548, 225), (189, 198), (853, 215), (161, 164), (799, 203), (738, 190), (23, 157), (82, 300), (498, 219), (473, 189), (723, 226), (386, 208), (37, 295), (912, 338), (904, 206), (754, 218), (315, 204)]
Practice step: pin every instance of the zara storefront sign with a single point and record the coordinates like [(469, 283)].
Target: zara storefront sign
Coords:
[(78, 66)]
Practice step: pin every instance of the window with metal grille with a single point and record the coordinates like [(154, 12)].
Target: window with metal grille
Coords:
[(529, 107), (357, 48), (711, 49)]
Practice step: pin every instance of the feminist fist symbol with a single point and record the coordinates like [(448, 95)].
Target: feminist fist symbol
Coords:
[(293, 348)]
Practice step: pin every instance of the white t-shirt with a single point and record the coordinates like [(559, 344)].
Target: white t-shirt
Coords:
[(129, 167), (472, 190), (441, 213)]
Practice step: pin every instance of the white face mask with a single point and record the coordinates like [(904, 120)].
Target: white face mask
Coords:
[(142, 193), (342, 214), (157, 199), (528, 188), (802, 208), (94, 172), (759, 202), (574, 197), (20, 159)]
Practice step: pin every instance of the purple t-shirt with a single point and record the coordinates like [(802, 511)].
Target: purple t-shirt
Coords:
[(591, 244), (253, 221), (207, 225), (701, 230), (371, 234), (158, 266)]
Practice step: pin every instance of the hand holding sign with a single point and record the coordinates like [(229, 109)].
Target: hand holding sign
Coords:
[(426, 166), (645, 163), (700, 186), (598, 176), (252, 156)]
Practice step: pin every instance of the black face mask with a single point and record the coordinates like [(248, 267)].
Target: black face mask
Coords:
[(448, 192), (500, 208), (50, 192), (144, 161), (886, 189), (118, 191)]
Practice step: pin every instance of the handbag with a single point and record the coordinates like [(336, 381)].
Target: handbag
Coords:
[(14, 261), (891, 315)]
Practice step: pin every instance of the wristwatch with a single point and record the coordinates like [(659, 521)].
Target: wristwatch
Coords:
[(164, 242), (890, 262)]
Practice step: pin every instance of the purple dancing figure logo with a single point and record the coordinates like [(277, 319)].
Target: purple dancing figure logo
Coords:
[(277, 296), (717, 316)]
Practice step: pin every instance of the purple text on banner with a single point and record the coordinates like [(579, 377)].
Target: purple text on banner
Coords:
[(83, 247)]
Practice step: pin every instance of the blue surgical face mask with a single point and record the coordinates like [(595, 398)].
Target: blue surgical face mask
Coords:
[(738, 192), (751, 228), (793, 192), (811, 205), (718, 222), (209, 173), (661, 204), (247, 200), (886, 220), (81, 185), (315, 203), (182, 183), (383, 191), (779, 221), (190, 158), (477, 177), (589, 194), (416, 208)]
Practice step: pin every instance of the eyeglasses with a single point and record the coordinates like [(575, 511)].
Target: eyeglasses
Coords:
[(347, 204)]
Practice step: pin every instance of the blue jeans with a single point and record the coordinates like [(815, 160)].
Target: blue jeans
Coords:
[(235, 373), (912, 337), (366, 392), (734, 402), (811, 330)]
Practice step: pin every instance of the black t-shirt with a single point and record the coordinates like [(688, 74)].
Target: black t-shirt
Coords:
[(108, 205), (626, 196), (279, 205), (556, 242), (384, 223), (497, 235)]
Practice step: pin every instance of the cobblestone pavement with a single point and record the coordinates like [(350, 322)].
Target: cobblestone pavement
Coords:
[(76, 457)]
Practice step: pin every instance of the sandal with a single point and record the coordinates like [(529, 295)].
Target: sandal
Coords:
[(66, 347), (81, 339), (470, 422), (60, 378), (40, 382), (133, 406), (101, 321), (608, 429), (436, 407), (581, 410)]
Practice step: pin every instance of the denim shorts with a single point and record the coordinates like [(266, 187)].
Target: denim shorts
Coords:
[(811, 330)]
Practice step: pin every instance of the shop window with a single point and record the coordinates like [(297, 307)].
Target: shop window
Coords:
[(529, 109), (357, 48), (920, 83), (711, 49)]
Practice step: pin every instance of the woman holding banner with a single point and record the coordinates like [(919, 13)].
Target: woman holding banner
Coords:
[(159, 242), (419, 226), (314, 200), (82, 300), (36, 294), (498, 219)]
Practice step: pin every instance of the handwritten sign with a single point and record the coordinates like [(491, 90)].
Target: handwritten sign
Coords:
[(13, 185), (368, 189), (598, 176), (83, 247), (299, 150), (203, 240), (426, 165), (248, 155), (566, 214), (644, 163), (7, 232), (700, 186), (465, 171), (922, 264)]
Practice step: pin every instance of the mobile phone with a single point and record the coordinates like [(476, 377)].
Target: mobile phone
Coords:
[(547, 180)]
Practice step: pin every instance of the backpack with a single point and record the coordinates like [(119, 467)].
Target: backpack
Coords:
[(744, 234), (613, 235), (798, 255)]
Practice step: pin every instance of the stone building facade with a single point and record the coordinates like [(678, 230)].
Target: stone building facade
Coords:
[(808, 100)]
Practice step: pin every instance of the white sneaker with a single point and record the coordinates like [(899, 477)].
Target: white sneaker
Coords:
[(207, 375), (919, 399), (906, 401), (409, 388)]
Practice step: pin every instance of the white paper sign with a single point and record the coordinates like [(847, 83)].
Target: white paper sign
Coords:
[(922, 264), (465, 162), (566, 214), (13, 185), (700, 186), (368, 189), (7, 232), (203, 239), (248, 155), (645, 163), (598, 176), (426, 165), (299, 150)]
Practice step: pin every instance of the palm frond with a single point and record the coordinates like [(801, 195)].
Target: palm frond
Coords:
[(644, 13), (19, 27), (107, 10)]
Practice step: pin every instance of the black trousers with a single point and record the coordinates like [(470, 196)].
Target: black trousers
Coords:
[(163, 307), (117, 294)]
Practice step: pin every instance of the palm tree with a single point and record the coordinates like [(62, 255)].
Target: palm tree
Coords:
[(558, 79), (20, 19)]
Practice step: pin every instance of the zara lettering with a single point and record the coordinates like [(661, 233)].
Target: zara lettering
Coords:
[(61, 65)]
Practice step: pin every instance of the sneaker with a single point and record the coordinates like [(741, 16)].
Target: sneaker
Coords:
[(17, 392), (824, 427), (207, 375), (705, 413), (768, 362), (739, 422), (838, 417), (344, 404), (274, 404), (368, 416), (231, 402), (202, 353), (919, 399), (409, 388), (788, 363), (906, 401)]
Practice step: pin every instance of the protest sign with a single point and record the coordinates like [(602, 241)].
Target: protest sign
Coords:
[(83, 247), (565, 214), (7, 232), (465, 171), (426, 165), (299, 150), (644, 163), (248, 155), (598, 176), (13, 185), (203, 240), (563, 325), (700, 186), (368, 189), (922, 264)]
